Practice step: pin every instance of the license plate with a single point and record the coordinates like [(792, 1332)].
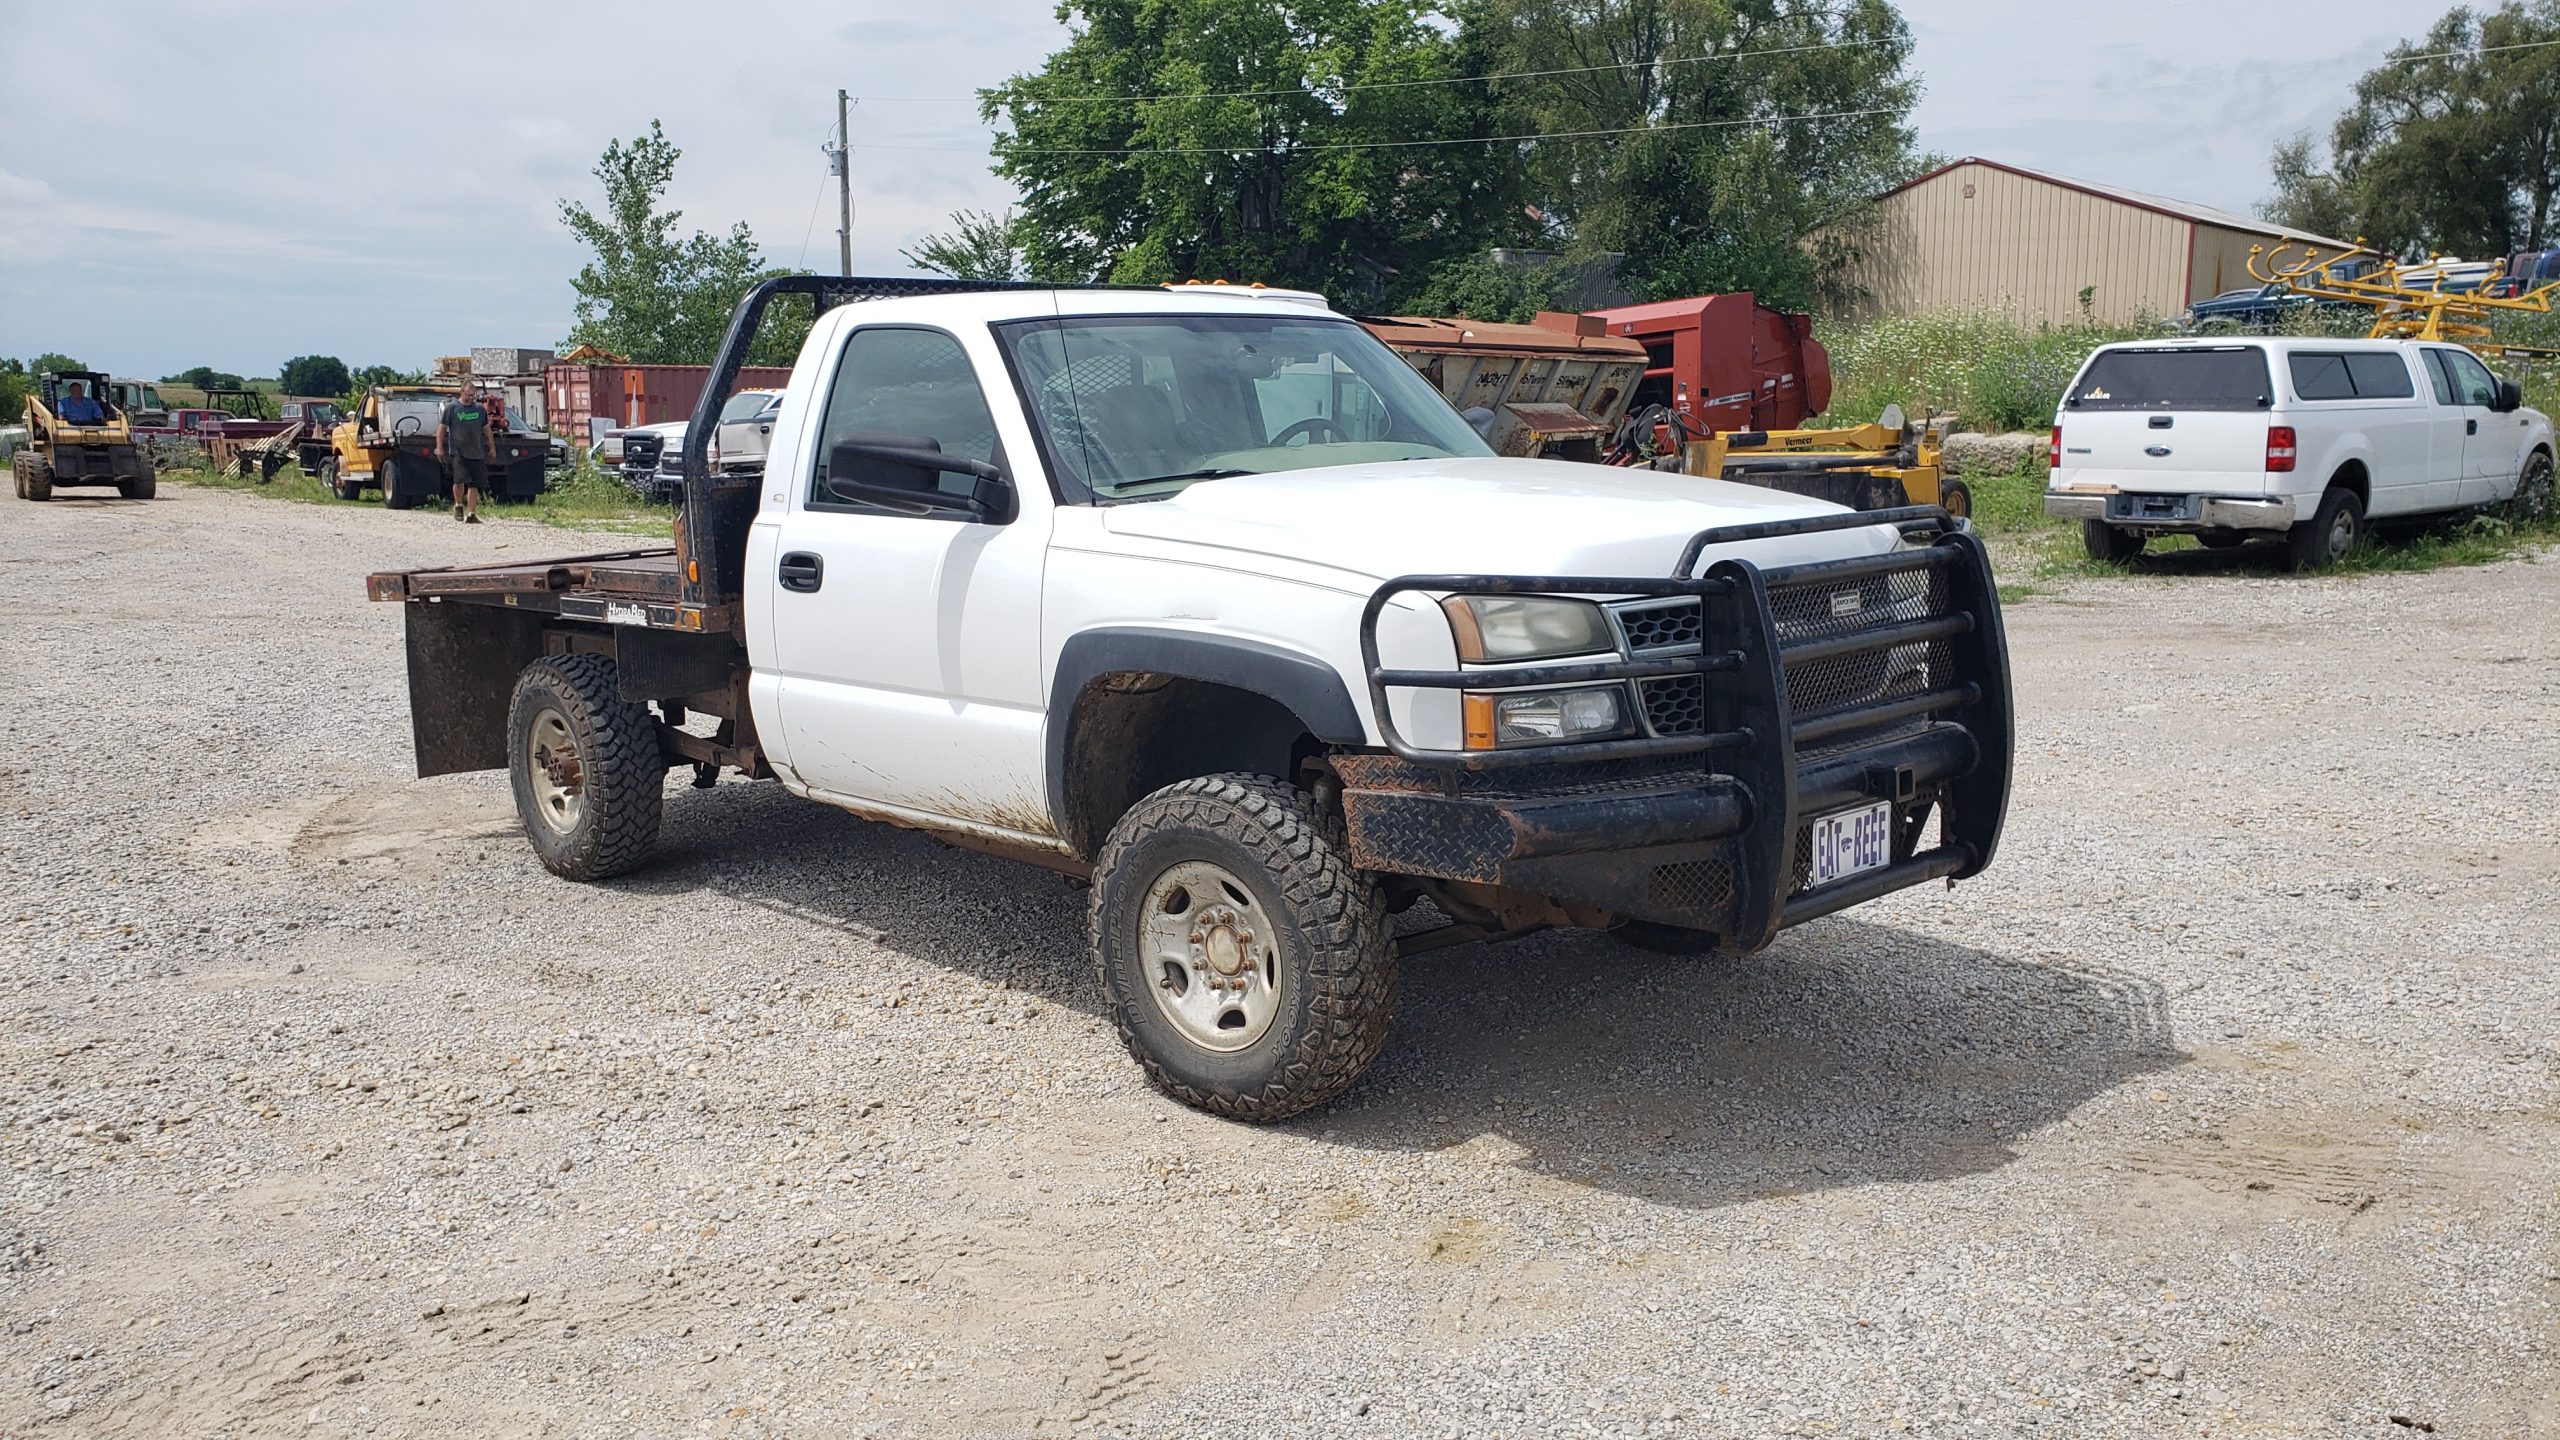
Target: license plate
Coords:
[(1852, 842)]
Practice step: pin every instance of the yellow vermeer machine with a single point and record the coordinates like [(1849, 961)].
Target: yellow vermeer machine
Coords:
[(1886, 463)]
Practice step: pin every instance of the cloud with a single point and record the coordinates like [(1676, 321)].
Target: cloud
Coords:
[(241, 191)]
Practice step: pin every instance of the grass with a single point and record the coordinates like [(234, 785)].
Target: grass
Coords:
[(583, 497), (2026, 542)]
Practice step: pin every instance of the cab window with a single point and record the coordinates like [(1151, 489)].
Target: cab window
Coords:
[(2472, 382), (911, 383)]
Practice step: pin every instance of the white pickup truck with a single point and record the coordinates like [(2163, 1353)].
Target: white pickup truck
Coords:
[(2300, 440), (1206, 596)]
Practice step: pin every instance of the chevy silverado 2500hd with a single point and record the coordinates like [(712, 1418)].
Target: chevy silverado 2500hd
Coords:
[(1207, 596)]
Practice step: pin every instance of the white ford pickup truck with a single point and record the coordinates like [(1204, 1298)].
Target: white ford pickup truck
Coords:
[(2299, 440), (1206, 596)]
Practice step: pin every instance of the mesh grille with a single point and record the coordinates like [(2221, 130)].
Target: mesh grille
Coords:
[(1867, 678), (1661, 625), (1818, 612), (1676, 705), (1691, 886)]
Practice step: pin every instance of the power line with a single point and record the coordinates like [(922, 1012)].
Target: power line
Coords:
[(1415, 144), (1407, 84), (1513, 74), (1586, 134)]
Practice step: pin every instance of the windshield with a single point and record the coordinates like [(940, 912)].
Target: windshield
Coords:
[(745, 405), (413, 414), (1138, 407), (2230, 377)]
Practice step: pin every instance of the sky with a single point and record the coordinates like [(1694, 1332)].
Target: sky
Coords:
[(382, 184)]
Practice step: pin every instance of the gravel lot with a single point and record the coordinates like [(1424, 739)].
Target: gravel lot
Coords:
[(2224, 1105)]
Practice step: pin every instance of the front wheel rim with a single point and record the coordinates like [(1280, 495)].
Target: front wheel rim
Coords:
[(552, 769), (1210, 956)]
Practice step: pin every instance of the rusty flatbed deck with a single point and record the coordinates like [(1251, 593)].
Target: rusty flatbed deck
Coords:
[(626, 587)]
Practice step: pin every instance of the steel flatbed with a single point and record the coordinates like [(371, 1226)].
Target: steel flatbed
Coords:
[(624, 587)]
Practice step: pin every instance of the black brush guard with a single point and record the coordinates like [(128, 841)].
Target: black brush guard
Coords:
[(1815, 688)]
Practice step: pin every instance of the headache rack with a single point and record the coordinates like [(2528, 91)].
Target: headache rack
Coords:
[(1766, 697)]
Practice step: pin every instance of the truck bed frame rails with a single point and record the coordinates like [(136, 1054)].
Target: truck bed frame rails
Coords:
[(1810, 705), (711, 530)]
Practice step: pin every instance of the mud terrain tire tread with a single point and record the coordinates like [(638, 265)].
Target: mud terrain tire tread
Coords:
[(1341, 967), (624, 773)]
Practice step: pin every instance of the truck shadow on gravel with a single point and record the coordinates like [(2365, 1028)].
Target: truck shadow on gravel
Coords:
[(1849, 1053)]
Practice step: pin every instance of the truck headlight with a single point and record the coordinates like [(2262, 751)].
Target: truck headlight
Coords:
[(1525, 627), (1545, 717)]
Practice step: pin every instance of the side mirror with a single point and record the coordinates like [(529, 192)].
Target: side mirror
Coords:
[(2510, 397), (899, 472)]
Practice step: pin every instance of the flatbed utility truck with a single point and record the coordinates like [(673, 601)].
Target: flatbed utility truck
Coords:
[(1210, 599)]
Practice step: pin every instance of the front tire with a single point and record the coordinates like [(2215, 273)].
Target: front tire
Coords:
[(2533, 503), (2334, 530), (141, 487), (39, 482), (1245, 962), (2107, 544), (588, 773)]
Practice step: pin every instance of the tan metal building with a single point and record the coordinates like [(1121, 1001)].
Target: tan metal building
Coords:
[(1978, 234)]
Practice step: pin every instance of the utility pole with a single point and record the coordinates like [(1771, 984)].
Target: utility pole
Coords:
[(844, 187)]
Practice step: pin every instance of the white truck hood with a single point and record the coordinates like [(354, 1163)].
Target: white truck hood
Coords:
[(1484, 516)]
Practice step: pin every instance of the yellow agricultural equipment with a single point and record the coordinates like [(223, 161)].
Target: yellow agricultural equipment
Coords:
[(2405, 306), (90, 445), (1876, 466)]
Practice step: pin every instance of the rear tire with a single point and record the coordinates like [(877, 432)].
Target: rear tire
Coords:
[(387, 473), (2333, 531), (1956, 498), (588, 774), (2106, 543), (18, 475), (1284, 938), (141, 487)]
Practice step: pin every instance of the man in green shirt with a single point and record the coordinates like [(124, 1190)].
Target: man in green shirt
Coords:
[(462, 442)]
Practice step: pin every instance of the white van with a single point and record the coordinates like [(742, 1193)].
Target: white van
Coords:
[(2303, 440)]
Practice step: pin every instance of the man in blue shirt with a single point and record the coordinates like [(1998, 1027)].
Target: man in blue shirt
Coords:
[(78, 408)]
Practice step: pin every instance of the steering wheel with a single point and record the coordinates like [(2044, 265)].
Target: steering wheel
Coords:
[(1309, 426)]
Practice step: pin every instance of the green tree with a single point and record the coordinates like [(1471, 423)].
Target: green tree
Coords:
[(2307, 196), (1728, 130), (364, 377), (1137, 160), (53, 362), (205, 377), (978, 246), (2451, 145), (648, 293), (15, 386), (313, 375)]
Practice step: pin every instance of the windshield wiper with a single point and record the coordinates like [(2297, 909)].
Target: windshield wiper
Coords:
[(1215, 472)]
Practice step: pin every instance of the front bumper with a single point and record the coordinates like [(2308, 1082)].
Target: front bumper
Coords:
[(2180, 514), (1810, 705)]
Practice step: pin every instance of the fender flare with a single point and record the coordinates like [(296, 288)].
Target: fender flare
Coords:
[(1307, 686)]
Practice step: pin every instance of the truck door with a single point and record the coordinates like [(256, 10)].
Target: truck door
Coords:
[(2490, 455), (2462, 429), (907, 647)]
